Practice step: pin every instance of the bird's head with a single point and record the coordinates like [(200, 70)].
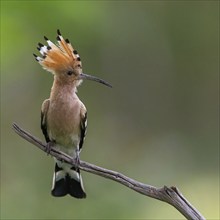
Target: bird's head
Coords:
[(64, 62)]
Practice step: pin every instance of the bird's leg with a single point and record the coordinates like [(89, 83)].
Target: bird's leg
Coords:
[(49, 145), (76, 159)]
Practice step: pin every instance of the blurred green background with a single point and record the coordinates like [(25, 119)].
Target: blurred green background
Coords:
[(158, 125)]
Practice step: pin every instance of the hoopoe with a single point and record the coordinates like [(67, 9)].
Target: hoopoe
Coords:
[(63, 115)]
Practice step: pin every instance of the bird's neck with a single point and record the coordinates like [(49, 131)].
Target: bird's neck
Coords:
[(61, 90)]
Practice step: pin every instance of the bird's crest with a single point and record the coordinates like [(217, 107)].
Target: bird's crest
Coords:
[(58, 57)]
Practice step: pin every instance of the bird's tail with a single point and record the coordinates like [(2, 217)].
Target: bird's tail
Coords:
[(67, 180)]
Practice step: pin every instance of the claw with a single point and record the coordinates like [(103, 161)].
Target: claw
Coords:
[(49, 146)]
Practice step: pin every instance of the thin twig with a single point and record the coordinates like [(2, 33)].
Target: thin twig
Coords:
[(170, 195)]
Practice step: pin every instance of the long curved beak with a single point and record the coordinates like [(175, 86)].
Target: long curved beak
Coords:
[(93, 78)]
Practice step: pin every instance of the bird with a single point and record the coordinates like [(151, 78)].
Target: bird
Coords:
[(63, 114)]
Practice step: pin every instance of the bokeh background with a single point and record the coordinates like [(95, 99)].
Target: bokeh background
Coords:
[(159, 124)]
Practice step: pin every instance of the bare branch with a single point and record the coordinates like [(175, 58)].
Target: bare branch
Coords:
[(170, 195)]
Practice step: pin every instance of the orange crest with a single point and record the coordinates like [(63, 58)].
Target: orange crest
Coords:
[(56, 58)]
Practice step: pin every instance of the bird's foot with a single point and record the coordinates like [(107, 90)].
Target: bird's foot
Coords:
[(49, 146), (77, 160)]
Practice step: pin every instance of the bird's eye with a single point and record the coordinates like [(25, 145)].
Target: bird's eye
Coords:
[(69, 73)]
